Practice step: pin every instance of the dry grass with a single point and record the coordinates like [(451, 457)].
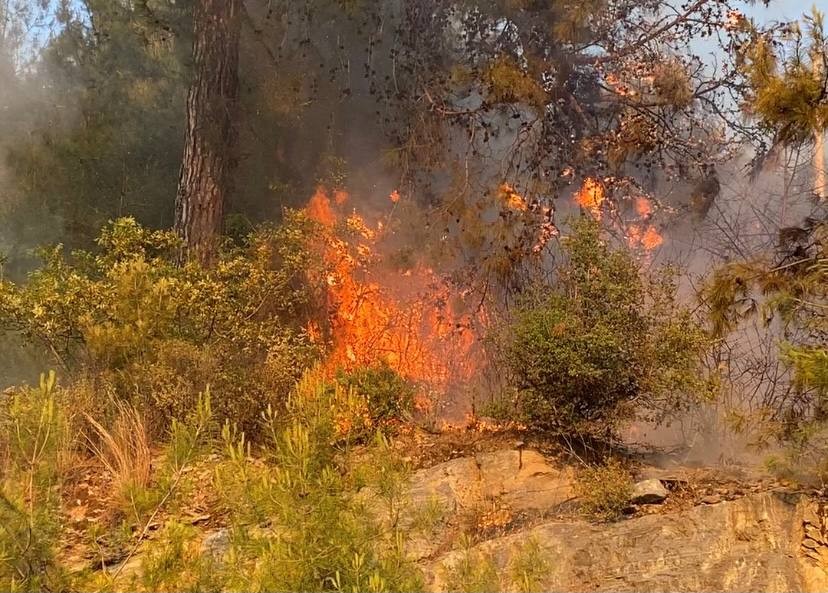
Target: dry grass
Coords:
[(124, 451)]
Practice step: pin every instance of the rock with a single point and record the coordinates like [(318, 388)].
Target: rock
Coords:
[(751, 544), (648, 492), (216, 544), (517, 480), (108, 559), (672, 479), (523, 480), (711, 499)]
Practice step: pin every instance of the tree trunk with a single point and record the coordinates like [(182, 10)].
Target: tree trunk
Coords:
[(820, 188), (210, 141)]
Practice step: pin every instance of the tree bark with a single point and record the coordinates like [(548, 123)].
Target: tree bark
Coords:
[(209, 159)]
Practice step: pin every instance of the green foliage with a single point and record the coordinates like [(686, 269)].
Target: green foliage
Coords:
[(174, 562), (790, 297), (604, 490), (600, 344), (320, 535), (388, 396), (530, 567), (788, 95), (302, 514), (32, 439), (794, 293), (189, 437), (473, 571), (112, 144), (157, 333), (810, 366)]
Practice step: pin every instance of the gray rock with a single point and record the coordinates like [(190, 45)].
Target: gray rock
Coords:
[(216, 544), (649, 492)]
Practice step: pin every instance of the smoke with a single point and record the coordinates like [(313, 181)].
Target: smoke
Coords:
[(745, 221), (34, 106)]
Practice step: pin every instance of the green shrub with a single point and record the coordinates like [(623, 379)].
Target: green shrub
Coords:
[(604, 490), (302, 513), (530, 567), (321, 536), (388, 397), (601, 343), (474, 571), (32, 439), (133, 321)]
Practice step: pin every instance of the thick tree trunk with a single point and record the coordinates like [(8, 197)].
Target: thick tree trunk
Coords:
[(210, 142)]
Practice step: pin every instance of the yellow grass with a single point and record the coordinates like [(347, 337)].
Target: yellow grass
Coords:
[(123, 450)]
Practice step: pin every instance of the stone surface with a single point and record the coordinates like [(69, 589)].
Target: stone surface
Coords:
[(649, 492), (514, 480), (523, 480), (775, 541), (755, 543), (216, 544)]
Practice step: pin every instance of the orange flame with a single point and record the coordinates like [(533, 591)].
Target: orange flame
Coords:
[(340, 197), (319, 208), (419, 335), (512, 199), (591, 196), (648, 238), (640, 233), (643, 234), (643, 206)]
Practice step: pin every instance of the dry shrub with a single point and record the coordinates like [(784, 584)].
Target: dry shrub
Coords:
[(604, 490), (124, 450), (167, 384)]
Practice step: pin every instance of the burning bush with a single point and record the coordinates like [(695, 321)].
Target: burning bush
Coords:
[(600, 344)]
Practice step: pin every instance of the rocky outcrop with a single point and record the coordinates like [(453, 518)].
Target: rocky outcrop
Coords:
[(491, 489), (751, 544), (744, 541), (523, 480)]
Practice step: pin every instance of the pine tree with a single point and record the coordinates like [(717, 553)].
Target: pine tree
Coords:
[(211, 135)]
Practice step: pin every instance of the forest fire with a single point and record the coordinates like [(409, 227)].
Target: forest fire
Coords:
[(647, 237), (371, 320), (591, 196), (643, 234), (640, 233)]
